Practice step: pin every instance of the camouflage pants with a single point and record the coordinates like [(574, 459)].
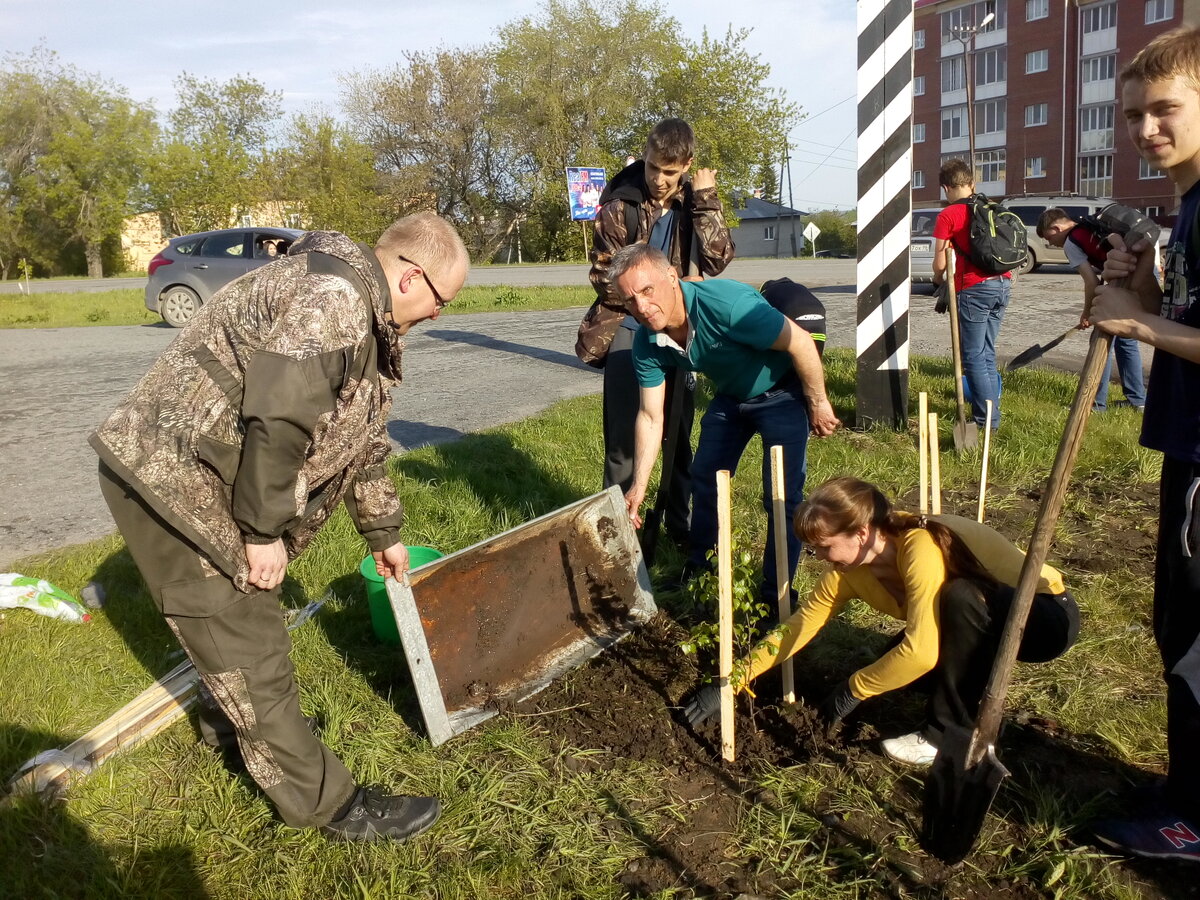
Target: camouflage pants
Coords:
[(239, 645)]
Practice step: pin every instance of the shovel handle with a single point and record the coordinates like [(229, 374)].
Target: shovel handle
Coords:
[(992, 707), (955, 342)]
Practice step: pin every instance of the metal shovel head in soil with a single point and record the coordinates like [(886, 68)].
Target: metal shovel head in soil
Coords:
[(957, 799), (966, 435), (1037, 351)]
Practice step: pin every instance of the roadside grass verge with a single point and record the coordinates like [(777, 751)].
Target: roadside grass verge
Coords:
[(127, 306), (522, 819)]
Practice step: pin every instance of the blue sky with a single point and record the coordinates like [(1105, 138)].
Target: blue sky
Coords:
[(300, 47)]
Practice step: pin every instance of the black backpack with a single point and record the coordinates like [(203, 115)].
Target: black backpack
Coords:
[(800, 305), (999, 242)]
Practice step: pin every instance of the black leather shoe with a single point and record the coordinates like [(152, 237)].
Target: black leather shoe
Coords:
[(375, 816)]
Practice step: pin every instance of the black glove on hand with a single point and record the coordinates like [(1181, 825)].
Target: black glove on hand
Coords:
[(942, 298), (839, 704), (705, 705)]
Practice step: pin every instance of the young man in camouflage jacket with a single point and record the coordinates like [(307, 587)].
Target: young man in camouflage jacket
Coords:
[(224, 462), (682, 217)]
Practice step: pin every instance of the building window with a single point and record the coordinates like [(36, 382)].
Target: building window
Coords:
[(1096, 128), (1099, 68), (1035, 167), (768, 232), (919, 86), (1037, 114), (990, 165), (990, 116), (1099, 17), (919, 39), (1096, 175), (954, 77), (1037, 61), (1159, 10), (967, 17), (1145, 170), (1152, 211), (991, 66), (918, 179), (954, 122), (919, 133), (1036, 9)]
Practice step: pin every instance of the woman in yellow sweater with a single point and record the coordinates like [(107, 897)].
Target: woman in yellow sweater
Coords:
[(949, 579)]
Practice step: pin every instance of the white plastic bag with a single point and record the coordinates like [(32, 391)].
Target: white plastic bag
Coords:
[(40, 596)]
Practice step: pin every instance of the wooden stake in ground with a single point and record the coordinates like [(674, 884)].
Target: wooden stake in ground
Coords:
[(783, 583), (725, 611), (935, 467), (987, 446), (923, 449)]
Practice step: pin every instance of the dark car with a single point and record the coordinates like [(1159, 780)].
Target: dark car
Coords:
[(190, 269)]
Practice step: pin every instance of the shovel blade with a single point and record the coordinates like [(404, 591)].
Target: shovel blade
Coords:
[(966, 435), (1025, 357), (957, 798)]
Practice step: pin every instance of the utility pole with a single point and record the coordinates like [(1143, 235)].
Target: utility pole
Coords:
[(965, 35)]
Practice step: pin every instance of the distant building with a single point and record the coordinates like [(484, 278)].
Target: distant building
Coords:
[(1047, 115), (766, 228)]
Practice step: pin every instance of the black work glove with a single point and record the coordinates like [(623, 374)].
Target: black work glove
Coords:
[(941, 296), (839, 704), (704, 705)]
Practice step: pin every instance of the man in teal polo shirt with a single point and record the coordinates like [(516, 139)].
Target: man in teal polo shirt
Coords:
[(768, 379)]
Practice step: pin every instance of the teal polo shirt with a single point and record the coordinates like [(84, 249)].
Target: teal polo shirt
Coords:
[(730, 332)]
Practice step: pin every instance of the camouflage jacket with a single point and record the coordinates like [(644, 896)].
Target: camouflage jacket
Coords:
[(269, 409), (700, 238)]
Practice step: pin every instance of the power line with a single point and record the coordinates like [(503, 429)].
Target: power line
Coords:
[(808, 119), (831, 152)]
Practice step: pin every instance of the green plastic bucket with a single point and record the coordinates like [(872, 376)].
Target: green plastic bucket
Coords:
[(383, 623)]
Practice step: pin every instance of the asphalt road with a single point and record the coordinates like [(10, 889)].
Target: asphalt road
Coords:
[(751, 270), (461, 374)]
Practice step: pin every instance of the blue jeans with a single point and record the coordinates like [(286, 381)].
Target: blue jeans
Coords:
[(980, 312), (779, 416), (1129, 365)]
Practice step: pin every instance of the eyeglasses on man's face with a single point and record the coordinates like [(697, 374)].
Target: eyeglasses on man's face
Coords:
[(439, 302)]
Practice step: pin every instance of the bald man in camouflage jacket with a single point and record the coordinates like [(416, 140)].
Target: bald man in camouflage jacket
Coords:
[(263, 415)]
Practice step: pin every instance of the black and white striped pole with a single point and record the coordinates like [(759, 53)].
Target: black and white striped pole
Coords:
[(885, 73)]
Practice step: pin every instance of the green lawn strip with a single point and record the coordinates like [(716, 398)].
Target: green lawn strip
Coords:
[(168, 821), (127, 306)]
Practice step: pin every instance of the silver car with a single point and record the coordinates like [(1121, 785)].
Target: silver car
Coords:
[(190, 269), (921, 250)]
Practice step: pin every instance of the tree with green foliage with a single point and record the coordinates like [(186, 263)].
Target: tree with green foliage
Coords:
[(73, 152), (430, 121), (838, 234), (329, 174), (208, 168)]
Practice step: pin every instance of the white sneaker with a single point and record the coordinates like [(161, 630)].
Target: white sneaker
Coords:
[(910, 749)]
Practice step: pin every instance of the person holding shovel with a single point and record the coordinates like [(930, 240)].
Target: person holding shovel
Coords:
[(262, 417), (1160, 97), (982, 298), (950, 581), (1086, 251)]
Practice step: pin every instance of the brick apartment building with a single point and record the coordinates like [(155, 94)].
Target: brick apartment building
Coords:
[(1047, 113)]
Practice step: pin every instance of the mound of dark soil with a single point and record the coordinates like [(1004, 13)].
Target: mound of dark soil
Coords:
[(628, 702)]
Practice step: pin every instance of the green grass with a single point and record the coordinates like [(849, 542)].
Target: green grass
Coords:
[(127, 306), (167, 821)]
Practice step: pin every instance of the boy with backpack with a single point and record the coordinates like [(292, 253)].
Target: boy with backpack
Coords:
[(982, 291), (1086, 245), (1160, 96)]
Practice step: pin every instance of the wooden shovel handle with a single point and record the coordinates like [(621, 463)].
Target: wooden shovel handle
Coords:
[(992, 707), (955, 342)]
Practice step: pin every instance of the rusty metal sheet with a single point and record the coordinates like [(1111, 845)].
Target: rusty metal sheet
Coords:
[(496, 622)]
